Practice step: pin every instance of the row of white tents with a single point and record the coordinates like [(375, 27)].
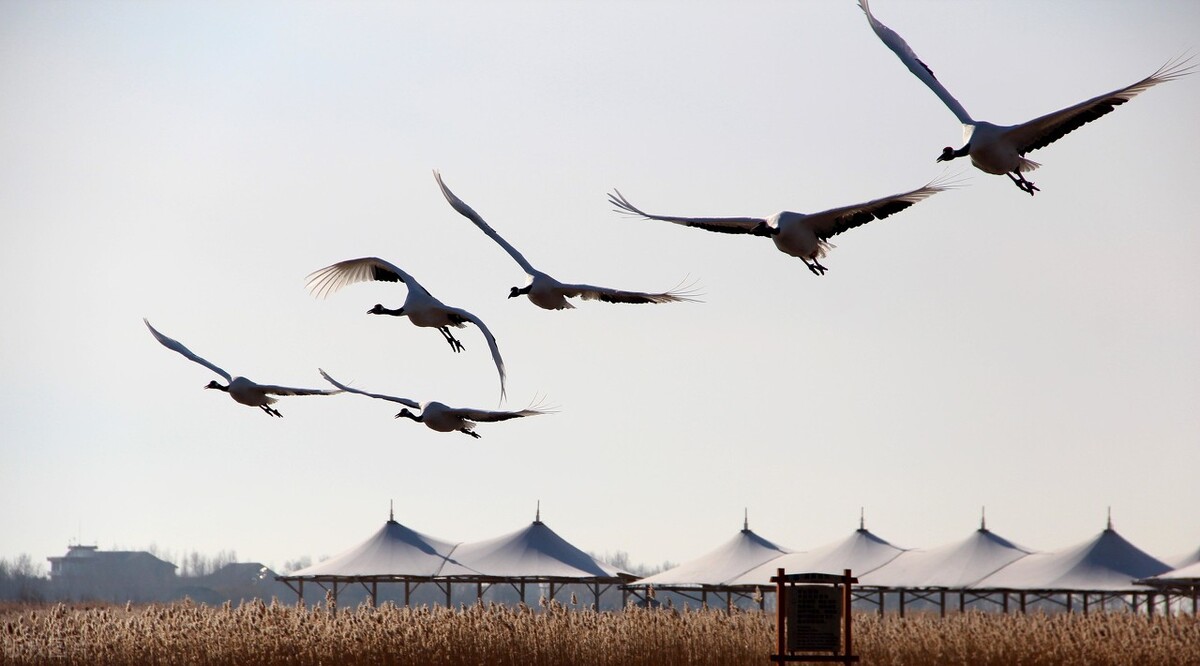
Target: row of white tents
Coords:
[(531, 556), (983, 568)]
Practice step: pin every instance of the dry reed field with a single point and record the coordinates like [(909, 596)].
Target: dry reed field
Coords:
[(186, 633)]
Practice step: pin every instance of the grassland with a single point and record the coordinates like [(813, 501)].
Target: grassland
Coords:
[(258, 633)]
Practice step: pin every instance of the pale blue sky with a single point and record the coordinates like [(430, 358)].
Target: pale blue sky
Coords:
[(192, 162)]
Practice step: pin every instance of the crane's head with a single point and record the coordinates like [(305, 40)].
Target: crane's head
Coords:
[(408, 415), (949, 153), (379, 310), (214, 385), (519, 291)]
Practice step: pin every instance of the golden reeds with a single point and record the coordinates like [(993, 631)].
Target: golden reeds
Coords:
[(186, 633)]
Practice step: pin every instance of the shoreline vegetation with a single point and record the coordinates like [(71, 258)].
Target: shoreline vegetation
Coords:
[(256, 632)]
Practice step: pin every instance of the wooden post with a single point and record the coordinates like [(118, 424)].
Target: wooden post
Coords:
[(846, 601), (902, 602), (780, 611)]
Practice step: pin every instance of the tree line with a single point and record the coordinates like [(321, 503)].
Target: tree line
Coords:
[(26, 579)]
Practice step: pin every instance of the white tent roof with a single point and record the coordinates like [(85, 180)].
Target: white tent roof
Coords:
[(532, 552), (1189, 574), (1106, 562), (726, 562), (956, 565), (861, 552), (394, 550)]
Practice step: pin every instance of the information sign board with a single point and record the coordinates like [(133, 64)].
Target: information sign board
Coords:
[(814, 617)]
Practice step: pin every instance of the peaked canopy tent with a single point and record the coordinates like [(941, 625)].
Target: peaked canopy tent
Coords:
[(393, 554), (397, 554), (861, 552), (928, 574), (714, 571), (1105, 566), (534, 554)]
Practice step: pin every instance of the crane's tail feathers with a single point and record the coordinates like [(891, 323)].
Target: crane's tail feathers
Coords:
[(823, 248)]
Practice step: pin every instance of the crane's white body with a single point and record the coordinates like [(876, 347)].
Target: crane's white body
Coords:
[(421, 307), (1001, 149), (801, 235), (241, 389), (543, 290), (439, 416)]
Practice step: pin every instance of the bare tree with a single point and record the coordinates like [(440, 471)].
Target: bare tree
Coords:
[(620, 559), (297, 564), (23, 579)]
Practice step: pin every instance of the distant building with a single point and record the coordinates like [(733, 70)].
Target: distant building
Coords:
[(86, 573)]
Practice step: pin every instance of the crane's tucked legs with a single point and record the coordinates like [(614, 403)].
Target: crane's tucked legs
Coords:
[(454, 342), (1020, 182), (815, 266), (471, 433), (270, 411)]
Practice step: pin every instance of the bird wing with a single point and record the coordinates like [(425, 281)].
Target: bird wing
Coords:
[(922, 71), (485, 416), (469, 213), (491, 340), (829, 223), (187, 353), (727, 225), (404, 401), (1043, 131), (327, 280), (285, 390), (593, 293)]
